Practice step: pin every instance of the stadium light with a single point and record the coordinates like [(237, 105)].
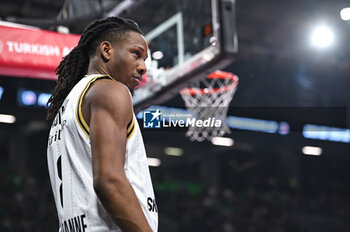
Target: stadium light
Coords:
[(333, 134), (6, 118), (173, 151), (153, 162), (345, 14), (157, 55), (322, 37), (28, 97), (43, 99), (309, 150), (222, 141), (1, 91)]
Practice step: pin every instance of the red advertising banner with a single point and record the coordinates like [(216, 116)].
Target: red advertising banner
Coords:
[(31, 52)]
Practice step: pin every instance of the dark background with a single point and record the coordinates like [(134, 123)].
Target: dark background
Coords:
[(263, 182)]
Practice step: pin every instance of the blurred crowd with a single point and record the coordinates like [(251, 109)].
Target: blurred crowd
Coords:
[(26, 204), (254, 210)]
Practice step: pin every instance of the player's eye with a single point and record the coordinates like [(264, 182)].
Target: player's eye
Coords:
[(137, 54)]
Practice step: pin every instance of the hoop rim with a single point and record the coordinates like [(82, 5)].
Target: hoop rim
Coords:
[(214, 75)]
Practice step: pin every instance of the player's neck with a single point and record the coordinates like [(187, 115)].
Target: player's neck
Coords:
[(95, 67)]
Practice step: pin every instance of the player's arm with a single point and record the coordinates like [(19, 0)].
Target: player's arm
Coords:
[(110, 107)]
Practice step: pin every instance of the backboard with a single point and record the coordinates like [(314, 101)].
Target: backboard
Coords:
[(188, 39)]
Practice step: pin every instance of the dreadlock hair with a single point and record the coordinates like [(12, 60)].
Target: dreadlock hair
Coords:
[(74, 66)]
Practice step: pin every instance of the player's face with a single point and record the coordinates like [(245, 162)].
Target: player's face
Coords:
[(128, 61)]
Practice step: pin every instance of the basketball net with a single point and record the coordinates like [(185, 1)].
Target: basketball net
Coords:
[(209, 99)]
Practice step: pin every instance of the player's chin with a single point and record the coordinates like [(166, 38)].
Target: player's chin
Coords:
[(134, 85)]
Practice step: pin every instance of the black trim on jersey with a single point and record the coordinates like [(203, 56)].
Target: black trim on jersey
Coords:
[(82, 125), (130, 129), (81, 120), (127, 127), (130, 132)]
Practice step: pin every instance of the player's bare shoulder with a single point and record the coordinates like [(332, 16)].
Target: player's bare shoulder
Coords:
[(111, 96)]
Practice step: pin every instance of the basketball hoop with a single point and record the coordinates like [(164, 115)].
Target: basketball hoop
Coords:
[(209, 99)]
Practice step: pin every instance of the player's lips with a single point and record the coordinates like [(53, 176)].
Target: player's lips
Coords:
[(138, 78)]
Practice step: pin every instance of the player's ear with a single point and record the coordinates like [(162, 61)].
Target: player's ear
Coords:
[(105, 49)]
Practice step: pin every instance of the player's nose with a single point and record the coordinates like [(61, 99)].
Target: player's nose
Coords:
[(141, 68)]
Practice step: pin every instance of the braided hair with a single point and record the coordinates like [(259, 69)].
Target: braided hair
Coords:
[(74, 66)]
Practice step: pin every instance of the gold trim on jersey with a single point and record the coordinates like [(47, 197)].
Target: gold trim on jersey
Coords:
[(131, 128), (83, 125)]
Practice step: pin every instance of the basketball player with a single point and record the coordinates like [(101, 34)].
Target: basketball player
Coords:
[(96, 157)]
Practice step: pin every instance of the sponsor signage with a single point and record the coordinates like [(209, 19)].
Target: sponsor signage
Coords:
[(32, 52)]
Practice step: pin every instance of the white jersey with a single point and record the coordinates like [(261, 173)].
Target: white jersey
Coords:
[(70, 168)]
